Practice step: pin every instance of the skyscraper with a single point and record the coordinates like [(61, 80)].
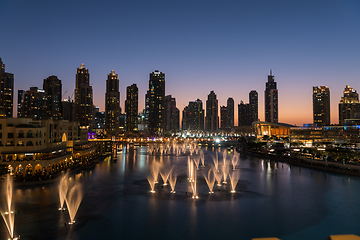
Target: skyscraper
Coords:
[(253, 101), (21, 94), (131, 108), (112, 104), (244, 114), (230, 113), (223, 117), (156, 102), (271, 100), (6, 91), (349, 106), (35, 101), (321, 106), (83, 107), (212, 116), (193, 116), (53, 89), (172, 115)]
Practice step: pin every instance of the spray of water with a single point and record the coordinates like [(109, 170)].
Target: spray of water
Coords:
[(8, 213), (210, 180), (234, 178), (73, 200), (234, 161), (172, 181)]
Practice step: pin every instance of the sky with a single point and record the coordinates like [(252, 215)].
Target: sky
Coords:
[(225, 46)]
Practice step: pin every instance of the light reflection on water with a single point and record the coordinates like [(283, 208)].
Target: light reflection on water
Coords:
[(275, 200)]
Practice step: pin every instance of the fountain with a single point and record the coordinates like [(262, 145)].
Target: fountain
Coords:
[(197, 161), (151, 181), (234, 161), (63, 189), (202, 158), (172, 181), (224, 157), (164, 173), (8, 215), (193, 183), (73, 200), (218, 177), (190, 169), (210, 180), (216, 162), (155, 171), (234, 178), (225, 172)]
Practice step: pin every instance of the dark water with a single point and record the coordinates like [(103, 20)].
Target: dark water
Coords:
[(272, 200)]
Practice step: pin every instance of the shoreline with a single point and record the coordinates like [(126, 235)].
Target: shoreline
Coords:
[(333, 167)]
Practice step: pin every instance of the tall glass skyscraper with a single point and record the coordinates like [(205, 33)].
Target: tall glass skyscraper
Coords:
[(156, 96), (83, 107), (271, 100), (112, 105), (321, 106)]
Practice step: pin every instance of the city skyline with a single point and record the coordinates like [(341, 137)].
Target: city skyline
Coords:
[(228, 48)]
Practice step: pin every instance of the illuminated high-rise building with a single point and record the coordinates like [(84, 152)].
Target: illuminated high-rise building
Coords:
[(53, 89), (230, 113), (112, 105), (172, 115), (253, 101), (223, 117), (156, 103), (131, 108), (193, 116), (349, 106), (20, 102), (271, 100), (244, 114), (6, 91), (35, 101), (212, 116), (321, 106), (83, 107)]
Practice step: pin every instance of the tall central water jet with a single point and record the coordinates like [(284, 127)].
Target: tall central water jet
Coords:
[(63, 189), (73, 200), (234, 178), (210, 180), (8, 213), (172, 181), (193, 182), (224, 157)]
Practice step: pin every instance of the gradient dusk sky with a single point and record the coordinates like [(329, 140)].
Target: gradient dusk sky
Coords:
[(225, 46)]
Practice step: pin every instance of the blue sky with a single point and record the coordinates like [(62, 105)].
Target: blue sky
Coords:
[(225, 46)]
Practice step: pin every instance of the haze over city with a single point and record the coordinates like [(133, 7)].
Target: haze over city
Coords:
[(228, 47)]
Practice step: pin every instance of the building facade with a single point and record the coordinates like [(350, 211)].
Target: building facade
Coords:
[(112, 104), (254, 103), (131, 108), (212, 116), (6, 91), (156, 97), (83, 107), (172, 115), (321, 106), (21, 94), (53, 89), (223, 117), (349, 106), (271, 100), (35, 104), (230, 113)]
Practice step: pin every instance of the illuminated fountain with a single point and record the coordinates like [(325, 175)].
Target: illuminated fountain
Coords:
[(210, 180), (202, 158), (234, 160), (63, 189), (224, 158), (190, 169), (8, 213), (197, 161), (234, 178), (218, 177), (165, 173), (225, 172), (154, 168), (193, 183), (151, 181), (172, 181), (73, 200), (216, 162)]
